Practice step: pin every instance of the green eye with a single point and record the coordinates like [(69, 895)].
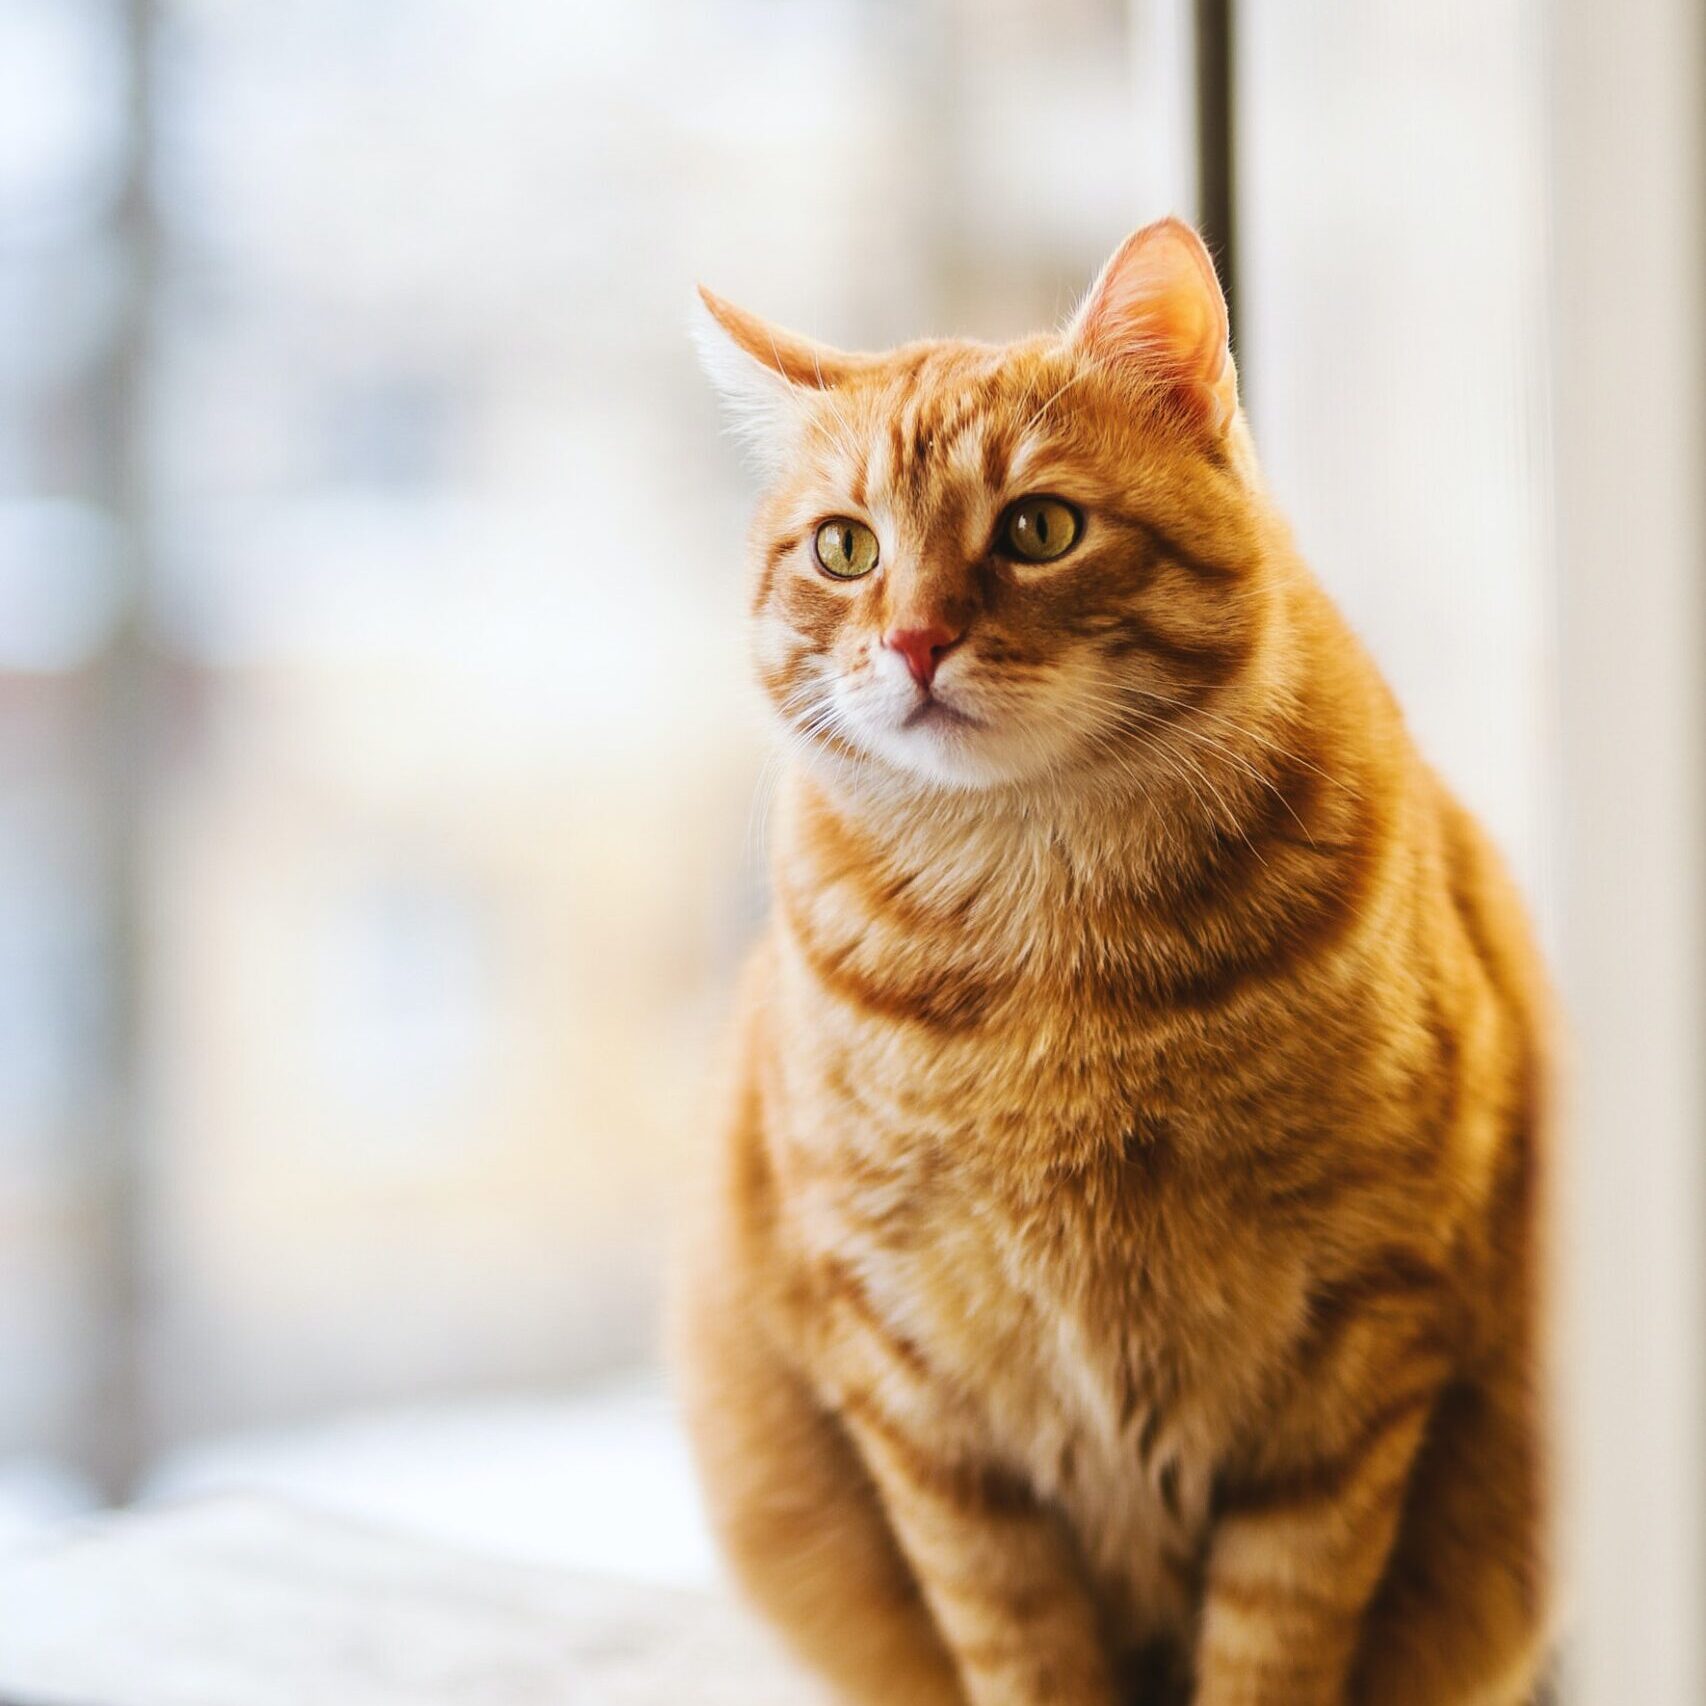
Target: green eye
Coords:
[(1037, 530), (846, 549)]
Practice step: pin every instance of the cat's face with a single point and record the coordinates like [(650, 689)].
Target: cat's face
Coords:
[(985, 566)]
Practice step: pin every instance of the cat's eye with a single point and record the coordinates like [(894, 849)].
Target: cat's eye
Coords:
[(846, 549), (1037, 530)]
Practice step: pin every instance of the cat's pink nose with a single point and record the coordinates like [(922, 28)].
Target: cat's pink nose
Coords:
[(922, 648)]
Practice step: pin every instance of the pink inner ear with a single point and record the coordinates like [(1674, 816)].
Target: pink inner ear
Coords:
[(1158, 308)]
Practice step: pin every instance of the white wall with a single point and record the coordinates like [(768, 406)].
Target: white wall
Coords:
[(1628, 87)]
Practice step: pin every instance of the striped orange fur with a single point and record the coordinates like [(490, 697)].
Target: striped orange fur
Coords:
[(1119, 1278)]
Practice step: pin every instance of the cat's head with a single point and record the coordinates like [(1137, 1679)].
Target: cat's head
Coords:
[(979, 566)]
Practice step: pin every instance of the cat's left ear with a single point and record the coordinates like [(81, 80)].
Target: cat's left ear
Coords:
[(1158, 310), (764, 374)]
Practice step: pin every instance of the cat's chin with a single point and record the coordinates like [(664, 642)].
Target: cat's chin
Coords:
[(930, 743), (908, 761), (940, 715), (938, 749)]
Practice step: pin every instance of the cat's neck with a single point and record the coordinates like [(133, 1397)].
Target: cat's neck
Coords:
[(1133, 820), (1015, 850)]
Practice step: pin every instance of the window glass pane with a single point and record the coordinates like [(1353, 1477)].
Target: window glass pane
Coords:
[(1394, 324), (457, 856)]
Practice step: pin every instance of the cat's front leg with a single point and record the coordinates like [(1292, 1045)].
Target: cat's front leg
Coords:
[(1297, 1552), (1000, 1575)]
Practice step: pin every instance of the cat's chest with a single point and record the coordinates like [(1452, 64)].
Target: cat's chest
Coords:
[(1082, 1332), (1075, 1314)]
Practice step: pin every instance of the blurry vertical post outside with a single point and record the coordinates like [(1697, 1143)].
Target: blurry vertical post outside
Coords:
[(1627, 94), (118, 1443)]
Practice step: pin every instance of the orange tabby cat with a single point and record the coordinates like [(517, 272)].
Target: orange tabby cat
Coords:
[(1121, 1279)]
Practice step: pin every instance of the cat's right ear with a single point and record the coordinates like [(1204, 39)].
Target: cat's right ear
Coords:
[(1158, 312), (763, 374)]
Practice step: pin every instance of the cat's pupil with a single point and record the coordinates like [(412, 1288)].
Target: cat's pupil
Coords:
[(847, 543), (1040, 522)]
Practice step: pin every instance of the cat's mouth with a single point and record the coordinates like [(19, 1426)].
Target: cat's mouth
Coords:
[(931, 712)]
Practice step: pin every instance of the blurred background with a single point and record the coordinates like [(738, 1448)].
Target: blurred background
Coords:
[(377, 767)]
